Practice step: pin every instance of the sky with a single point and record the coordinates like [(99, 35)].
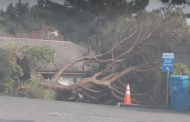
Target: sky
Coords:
[(154, 4), (3, 3)]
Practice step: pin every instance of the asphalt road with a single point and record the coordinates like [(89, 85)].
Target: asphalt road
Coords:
[(34, 110)]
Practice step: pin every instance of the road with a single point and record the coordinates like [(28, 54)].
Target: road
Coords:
[(35, 110)]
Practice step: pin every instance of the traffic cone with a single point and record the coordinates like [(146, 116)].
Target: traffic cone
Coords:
[(127, 100)]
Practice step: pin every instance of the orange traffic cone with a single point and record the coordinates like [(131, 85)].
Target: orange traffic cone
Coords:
[(127, 100)]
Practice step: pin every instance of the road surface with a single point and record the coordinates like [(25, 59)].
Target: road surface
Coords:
[(35, 110)]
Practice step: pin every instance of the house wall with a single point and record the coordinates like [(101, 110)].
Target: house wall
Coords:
[(67, 79)]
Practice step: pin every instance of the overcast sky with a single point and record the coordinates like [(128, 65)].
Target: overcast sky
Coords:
[(3, 3)]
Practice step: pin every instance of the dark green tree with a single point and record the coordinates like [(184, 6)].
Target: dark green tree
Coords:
[(78, 20), (18, 16)]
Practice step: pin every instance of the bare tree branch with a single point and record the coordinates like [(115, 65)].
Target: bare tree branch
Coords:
[(89, 89), (115, 96), (120, 42), (121, 83), (89, 96)]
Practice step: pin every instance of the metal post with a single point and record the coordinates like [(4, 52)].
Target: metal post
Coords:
[(167, 90)]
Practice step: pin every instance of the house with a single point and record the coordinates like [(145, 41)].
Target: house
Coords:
[(66, 52)]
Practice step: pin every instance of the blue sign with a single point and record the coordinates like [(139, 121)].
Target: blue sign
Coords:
[(167, 62)]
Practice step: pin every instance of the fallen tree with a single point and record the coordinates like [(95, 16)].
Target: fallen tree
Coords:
[(128, 51), (84, 86), (132, 49)]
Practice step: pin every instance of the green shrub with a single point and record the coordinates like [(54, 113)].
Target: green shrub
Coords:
[(32, 89), (181, 69), (16, 62)]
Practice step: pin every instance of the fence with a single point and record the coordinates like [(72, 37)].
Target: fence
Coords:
[(181, 53)]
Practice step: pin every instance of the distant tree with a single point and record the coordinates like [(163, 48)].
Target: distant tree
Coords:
[(18, 16), (177, 2), (10, 12), (183, 4), (77, 20)]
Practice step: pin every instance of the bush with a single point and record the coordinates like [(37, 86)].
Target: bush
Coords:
[(181, 69), (17, 61), (32, 89)]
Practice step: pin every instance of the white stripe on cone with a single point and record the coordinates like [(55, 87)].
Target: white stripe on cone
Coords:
[(127, 87), (127, 92)]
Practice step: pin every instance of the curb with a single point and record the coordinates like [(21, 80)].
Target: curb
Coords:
[(145, 106)]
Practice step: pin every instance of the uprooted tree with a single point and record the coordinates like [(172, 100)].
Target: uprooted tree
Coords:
[(128, 51)]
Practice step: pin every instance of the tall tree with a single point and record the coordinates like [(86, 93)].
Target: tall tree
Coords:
[(18, 16), (98, 12), (76, 20)]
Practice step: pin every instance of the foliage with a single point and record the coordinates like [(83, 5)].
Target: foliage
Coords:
[(157, 30), (79, 20), (18, 62), (183, 4), (21, 20), (32, 89), (10, 72), (18, 16), (40, 54), (176, 2), (76, 20), (181, 69)]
